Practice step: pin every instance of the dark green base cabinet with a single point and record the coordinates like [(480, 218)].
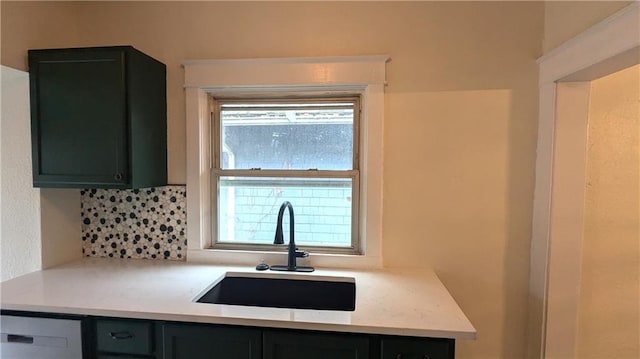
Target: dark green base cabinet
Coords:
[(121, 338), (301, 345), (199, 341), (210, 342), (185, 341), (411, 348)]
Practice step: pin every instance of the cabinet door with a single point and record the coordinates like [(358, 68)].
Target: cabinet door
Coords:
[(79, 121), (182, 341), (417, 348), (124, 336), (290, 345)]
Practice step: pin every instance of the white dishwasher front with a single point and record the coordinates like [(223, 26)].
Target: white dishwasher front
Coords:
[(40, 338)]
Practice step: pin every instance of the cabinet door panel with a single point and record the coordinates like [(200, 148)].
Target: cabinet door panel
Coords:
[(417, 348), (289, 345), (124, 336), (204, 342), (80, 116)]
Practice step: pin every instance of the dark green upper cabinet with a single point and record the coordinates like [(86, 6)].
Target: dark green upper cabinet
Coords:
[(98, 118)]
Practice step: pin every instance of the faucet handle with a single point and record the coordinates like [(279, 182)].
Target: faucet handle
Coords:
[(301, 254)]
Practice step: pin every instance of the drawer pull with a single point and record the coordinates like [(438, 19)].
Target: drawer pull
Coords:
[(22, 339), (120, 335)]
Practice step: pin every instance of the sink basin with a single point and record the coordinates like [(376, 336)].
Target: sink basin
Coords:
[(283, 291)]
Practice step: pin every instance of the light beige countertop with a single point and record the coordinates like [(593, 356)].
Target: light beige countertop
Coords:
[(388, 301)]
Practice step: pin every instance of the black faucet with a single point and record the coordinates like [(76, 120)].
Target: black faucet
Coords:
[(293, 251)]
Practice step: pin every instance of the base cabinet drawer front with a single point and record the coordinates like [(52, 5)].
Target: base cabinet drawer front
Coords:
[(296, 345), (124, 337), (184, 341), (417, 348)]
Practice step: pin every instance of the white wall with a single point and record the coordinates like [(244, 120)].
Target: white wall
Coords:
[(38, 228), (61, 227), (20, 245)]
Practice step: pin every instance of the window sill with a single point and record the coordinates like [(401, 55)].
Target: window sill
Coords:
[(252, 258)]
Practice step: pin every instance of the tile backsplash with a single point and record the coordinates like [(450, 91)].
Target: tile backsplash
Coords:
[(141, 223)]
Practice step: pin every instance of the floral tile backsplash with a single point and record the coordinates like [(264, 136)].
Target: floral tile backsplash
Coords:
[(142, 223)]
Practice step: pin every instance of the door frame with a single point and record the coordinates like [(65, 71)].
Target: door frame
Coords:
[(558, 214)]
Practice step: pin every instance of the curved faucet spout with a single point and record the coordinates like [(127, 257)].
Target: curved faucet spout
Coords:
[(291, 258), (279, 239), (293, 252)]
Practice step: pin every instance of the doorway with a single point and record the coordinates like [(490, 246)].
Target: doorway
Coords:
[(566, 76)]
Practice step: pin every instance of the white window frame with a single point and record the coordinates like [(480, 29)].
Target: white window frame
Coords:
[(363, 75), (353, 173)]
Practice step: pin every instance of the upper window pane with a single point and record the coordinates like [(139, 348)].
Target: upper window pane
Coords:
[(287, 135)]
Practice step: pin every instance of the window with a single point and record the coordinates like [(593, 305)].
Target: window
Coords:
[(226, 80), (301, 150)]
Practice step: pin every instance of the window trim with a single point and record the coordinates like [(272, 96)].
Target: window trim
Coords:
[(363, 75)]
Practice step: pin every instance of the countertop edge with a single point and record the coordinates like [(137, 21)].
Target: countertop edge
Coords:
[(249, 322)]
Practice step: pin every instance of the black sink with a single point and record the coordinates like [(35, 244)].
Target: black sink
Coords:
[(284, 293)]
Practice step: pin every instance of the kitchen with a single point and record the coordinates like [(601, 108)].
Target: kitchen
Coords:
[(461, 102)]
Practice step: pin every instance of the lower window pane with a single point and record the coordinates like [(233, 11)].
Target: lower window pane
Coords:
[(248, 210)]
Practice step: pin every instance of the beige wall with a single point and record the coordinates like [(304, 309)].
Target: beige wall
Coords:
[(565, 19), (609, 313), (460, 119), (33, 25)]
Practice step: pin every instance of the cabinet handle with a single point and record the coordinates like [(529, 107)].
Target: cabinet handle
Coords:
[(425, 356), (118, 176), (22, 339), (120, 335)]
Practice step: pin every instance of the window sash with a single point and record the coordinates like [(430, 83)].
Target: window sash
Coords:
[(219, 103), (354, 174)]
